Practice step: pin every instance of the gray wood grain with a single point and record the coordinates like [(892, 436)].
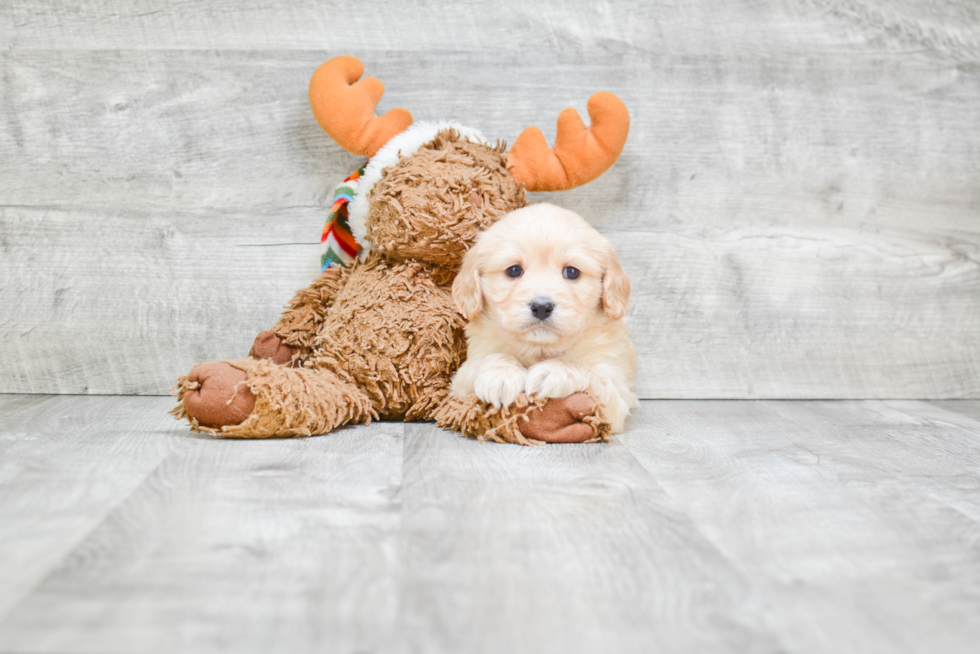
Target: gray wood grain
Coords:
[(702, 27), (855, 519), (797, 204), (968, 409), (557, 550), (225, 546), (710, 526), (95, 320), (63, 469), (801, 313)]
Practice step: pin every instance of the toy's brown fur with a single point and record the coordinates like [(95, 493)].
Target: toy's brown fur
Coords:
[(508, 424), (383, 338)]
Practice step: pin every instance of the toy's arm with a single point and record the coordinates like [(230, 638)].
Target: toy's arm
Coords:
[(291, 339), (528, 421)]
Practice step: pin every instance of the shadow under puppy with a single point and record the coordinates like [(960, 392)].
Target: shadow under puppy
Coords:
[(546, 297)]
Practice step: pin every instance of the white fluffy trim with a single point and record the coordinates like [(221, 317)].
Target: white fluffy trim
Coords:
[(402, 145)]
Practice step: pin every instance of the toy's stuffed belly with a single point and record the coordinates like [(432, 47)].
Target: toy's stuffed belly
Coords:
[(395, 333)]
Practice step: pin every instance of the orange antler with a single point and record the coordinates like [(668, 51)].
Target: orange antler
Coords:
[(580, 154), (345, 110)]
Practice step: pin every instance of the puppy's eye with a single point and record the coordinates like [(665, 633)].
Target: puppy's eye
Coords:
[(514, 271), (570, 273)]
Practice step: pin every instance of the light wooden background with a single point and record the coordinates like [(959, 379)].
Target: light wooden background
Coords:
[(798, 204)]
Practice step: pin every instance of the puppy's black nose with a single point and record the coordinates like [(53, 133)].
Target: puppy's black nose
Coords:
[(542, 308)]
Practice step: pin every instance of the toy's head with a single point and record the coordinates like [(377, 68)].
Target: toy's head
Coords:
[(429, 188)]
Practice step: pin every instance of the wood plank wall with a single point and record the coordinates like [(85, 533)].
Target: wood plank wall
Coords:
[(798, 205)]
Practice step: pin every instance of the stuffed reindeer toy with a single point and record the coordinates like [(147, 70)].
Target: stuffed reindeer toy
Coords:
[(376, 335)]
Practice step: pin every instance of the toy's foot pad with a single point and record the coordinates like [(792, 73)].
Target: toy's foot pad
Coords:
[(216, 395), (269, 346), (561, 420)]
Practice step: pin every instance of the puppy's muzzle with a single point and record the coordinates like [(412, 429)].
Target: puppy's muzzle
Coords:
[(541, 308)]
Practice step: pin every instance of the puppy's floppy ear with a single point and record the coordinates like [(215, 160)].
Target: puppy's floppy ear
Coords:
[(615, 286), (467, 292)]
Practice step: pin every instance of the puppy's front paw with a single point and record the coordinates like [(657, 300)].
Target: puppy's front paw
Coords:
[(499, 387), (553, 379)]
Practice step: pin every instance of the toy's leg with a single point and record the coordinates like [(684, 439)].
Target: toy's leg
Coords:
[(293, 336), (300, 323), (268, 345), (528, 421), (284, 401)]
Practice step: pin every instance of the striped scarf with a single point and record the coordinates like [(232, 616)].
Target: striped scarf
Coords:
[(337, 242)]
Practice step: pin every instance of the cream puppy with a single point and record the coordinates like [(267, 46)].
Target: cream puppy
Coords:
[(545, 297)]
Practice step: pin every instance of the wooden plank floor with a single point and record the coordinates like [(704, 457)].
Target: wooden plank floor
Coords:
[(712, 526)]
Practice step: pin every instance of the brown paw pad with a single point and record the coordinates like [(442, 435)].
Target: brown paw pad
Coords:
[(269, 346), (217, 395), (561, 420)]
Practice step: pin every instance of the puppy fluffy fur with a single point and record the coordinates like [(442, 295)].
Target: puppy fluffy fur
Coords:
[(580, 345)]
